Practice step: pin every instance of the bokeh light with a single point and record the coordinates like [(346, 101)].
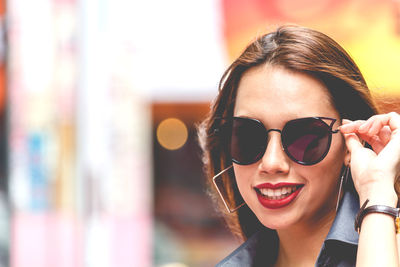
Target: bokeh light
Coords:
[(172, 133)]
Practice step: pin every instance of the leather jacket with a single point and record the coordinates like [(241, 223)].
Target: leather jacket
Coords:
[(338, 249)]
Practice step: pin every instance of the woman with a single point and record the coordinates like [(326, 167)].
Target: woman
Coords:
[(295, 130)]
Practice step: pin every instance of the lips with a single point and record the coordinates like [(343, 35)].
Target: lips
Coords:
[(276, 196)]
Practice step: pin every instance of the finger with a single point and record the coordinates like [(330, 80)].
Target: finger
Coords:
[(374, 125), (390, 155), (350, 126), (391, 152), (377, 141), (346, 121), (394, 121), (374, 140), (365, 127), (392, 147), (385, 134), (352, 142), (377, 123), (385, 126), (391, 119)]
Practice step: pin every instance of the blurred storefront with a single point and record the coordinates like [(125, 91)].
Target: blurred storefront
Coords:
[(78, 137)]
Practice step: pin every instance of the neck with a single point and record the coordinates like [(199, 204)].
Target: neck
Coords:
[(300, 244)]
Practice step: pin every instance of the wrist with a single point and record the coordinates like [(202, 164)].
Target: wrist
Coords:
[(384, 197), (382, 209), (375, 182)]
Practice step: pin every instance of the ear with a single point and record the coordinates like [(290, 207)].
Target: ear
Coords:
[(347, 158)]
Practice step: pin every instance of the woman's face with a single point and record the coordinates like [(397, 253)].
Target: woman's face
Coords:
[(274, 95)]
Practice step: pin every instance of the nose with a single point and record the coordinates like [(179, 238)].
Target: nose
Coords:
[(274, 160)]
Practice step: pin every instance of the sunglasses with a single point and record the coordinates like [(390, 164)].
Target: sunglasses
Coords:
[(305, 140)]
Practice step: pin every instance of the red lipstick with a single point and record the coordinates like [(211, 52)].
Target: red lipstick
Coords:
[(292, 190)]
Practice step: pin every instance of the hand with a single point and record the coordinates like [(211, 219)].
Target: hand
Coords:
[(374, 171)]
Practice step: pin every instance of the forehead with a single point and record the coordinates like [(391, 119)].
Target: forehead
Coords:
[(275, 91)]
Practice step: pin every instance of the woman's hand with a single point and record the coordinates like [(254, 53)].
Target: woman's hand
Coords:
[(374, 171)]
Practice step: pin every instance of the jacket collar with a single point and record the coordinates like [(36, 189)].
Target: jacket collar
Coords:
[(343, 226), (263, 245)]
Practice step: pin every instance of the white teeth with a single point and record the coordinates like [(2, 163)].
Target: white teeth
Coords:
[(277, 193), (270, 192)]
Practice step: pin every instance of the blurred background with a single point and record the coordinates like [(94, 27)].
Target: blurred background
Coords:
[(99, 162)]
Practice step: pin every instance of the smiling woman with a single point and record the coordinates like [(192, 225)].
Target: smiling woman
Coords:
[(282, 92), (279, 123)]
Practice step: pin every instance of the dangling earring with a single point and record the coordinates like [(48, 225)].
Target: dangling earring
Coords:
[(343, 179), (219, 185)]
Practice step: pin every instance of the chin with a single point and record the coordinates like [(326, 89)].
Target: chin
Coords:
[(278, 224)]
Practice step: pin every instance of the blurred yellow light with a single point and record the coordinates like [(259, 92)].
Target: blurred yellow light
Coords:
[(172, 133)]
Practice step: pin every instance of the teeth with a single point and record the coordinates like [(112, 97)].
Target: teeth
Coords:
[(270, 192), (277, 193)]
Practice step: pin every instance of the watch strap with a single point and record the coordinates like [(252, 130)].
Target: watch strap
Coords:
[(394, 212)]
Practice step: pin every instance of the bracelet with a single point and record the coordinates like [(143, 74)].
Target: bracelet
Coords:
[(394, 212)]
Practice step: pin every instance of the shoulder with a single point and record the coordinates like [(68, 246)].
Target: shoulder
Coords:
[(252, 252)]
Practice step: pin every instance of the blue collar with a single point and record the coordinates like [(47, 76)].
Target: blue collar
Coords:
[(342, 228)]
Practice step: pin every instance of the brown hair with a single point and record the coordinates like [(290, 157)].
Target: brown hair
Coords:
[(298, 49)]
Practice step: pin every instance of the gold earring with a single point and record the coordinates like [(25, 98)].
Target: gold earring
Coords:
[(223, 193)]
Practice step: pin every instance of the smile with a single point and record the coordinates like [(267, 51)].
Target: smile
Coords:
[(278, 195)]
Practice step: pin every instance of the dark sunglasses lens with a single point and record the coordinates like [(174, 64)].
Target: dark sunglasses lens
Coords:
[(248, 141), (307, 141)]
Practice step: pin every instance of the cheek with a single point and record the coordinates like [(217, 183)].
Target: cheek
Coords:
[(337, 152), (324, 176), (323, 180), (243, 176)]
